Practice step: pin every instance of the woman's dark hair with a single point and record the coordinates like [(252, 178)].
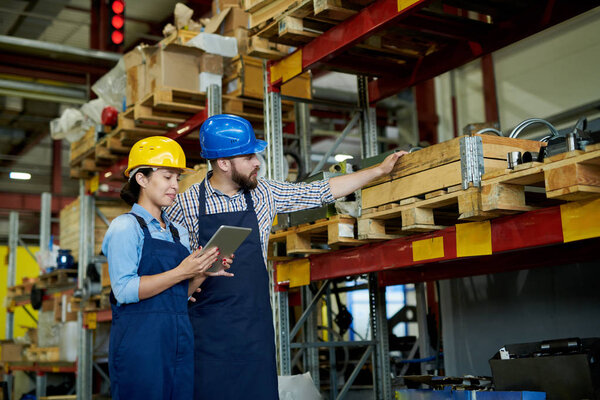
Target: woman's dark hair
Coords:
[(131, 190)]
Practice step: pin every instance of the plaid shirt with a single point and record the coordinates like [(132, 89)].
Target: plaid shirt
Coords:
[(269, 197)]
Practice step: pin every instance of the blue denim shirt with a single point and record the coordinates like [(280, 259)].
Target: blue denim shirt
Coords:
[(123, 245)]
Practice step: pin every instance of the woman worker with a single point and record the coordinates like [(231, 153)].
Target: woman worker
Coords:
[(152, 275)]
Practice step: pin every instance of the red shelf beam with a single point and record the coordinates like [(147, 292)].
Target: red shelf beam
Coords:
[(460, 41), (546, 234)]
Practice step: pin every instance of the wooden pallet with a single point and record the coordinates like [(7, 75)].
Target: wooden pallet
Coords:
[(97, 302), (59, 277), (318, 237), (437, 167), (268, 13), (42, 354), (252, 109), (566, 177), (569, 176), (81, 148)]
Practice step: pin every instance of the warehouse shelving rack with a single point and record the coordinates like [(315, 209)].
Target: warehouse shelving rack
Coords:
[(566, 233), (41, 369)]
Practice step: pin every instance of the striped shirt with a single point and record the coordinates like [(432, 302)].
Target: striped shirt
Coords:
[(269, 197)]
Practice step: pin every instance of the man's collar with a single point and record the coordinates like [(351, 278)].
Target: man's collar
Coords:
[(210, 190)]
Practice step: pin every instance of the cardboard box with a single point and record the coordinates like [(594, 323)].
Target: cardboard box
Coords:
[(173, 67), (105, 277), (217, 6), (211, 63), (237, 18), (63, 308), (244, 77), (187, 180), (11, 351), (136, 63), (48, 305)]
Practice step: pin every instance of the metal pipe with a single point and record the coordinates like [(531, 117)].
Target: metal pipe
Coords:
[(513, 158), (45, 215), (491, 130), (571, 141), (334, 344), (59, 48), (38, 87), (339, 140), (11, 280), (519, 128), (328, 104)]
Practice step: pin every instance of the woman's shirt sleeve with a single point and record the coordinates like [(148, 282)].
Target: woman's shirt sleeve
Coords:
[(122, 246)]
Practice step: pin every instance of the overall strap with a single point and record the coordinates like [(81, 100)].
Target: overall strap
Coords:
[(174, 233), (202, 198), (143, 225), (249, 202)]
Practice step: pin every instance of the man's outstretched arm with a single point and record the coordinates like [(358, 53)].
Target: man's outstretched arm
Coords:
[(343, 185)]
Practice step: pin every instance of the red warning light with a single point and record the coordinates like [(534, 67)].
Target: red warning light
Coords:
[(117, 37), (118, 7)]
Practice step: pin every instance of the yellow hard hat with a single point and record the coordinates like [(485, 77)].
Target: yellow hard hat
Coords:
[(156, 151)]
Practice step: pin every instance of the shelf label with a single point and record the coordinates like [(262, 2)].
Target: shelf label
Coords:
[(580, 220), (474, 239), (297, 272), (287, 68), (428, 249), (404, 4)]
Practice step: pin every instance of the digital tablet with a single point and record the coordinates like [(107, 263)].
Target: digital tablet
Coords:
[(227, 239)]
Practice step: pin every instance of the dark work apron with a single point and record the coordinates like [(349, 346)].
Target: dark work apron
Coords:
[(150, 352), (234, 345)]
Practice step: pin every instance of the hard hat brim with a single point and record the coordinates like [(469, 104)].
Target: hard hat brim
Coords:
[(186, 170)]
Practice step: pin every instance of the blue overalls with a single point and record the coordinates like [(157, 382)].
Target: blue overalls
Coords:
[(234, 341), (150, 352)]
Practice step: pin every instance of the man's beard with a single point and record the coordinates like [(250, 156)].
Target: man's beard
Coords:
[(244, 182)]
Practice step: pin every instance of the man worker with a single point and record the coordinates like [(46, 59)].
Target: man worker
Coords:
[(234, 344)]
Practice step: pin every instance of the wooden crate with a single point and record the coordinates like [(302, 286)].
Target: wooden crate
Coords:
[(244, 77), (69, 224), (438, 167), (187, 180)]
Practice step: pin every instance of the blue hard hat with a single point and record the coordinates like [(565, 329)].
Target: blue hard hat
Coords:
[(227, 135)]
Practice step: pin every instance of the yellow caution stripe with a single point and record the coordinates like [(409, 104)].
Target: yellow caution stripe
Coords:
[(428, 249), (474, 239)]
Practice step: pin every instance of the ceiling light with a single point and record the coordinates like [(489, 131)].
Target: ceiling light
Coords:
[(23, 176), (342, 157)]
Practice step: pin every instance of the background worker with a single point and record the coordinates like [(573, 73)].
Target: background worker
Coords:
[(232, 320), (152, 275)]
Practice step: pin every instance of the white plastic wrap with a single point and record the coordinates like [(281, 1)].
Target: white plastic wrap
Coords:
[(93, 110), (215, 44), (70, 125), (48, 330), (112, 86), (69, 340), (182, 15), (207, 79), (298, 387)]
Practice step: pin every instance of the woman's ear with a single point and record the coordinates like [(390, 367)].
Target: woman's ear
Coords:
[(141, 179)]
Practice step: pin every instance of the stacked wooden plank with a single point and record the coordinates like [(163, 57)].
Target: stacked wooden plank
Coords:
[(296, 22), (69, 224), (424, 192)]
